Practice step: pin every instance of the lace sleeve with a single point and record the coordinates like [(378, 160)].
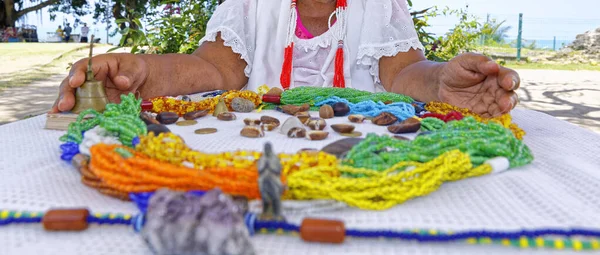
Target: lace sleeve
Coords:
[(231, 19), (387, 29)]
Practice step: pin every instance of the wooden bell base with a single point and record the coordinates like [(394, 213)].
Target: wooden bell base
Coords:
[(60, 121)]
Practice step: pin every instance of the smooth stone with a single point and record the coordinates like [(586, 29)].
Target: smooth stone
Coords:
[(158, 128), (239, 104), (341, 147), (167, 118), (195, 115), (340, 109), (290, 123)]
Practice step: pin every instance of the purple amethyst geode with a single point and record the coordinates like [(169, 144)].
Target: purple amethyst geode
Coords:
[(181, 223)]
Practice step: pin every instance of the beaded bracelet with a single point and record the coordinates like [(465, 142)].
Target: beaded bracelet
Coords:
[(168, 104), (505, 120), (335, 231)]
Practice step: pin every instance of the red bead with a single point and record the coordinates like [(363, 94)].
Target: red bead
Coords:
[(271, 99), (146, 105), (66, 220), (323, 231)]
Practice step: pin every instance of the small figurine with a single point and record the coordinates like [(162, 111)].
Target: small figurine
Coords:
[(269, 184)]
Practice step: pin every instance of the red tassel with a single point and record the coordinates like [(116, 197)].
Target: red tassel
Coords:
[(286, 70), (341, 3), (338, 77)]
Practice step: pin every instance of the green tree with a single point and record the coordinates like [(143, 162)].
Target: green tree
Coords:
[(13, 10)]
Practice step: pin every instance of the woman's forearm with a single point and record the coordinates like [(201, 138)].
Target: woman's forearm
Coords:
[(179, 74), (419, 80)]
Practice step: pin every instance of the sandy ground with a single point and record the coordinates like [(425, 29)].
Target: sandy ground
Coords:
[(573, 96)]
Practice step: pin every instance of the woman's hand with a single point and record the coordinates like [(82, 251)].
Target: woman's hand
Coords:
[(476, 82), (120, 73)]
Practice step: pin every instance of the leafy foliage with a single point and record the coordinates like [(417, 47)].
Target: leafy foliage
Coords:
[(462, 38)]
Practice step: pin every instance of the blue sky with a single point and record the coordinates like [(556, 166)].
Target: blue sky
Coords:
[(543, 19)]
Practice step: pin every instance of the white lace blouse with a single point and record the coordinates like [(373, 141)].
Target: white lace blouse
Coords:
[(257, 29)]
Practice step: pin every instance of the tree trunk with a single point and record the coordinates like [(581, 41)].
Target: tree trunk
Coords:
[(9, 19)]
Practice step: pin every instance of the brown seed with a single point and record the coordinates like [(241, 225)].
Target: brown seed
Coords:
[(326, 111), (297, 133), (293, 109), (186, 123), (388, 102), (340, 109), (195, 115), (343, 128), (252, 132), (317, 135), (158, 128), (251, 122), (409, 125), (356, 118), (270, 120), (353, 134), (148, 118), (268, 126), (317, 124), (226, 116), (204, 131), (384, 119), (167, 118), (303, 116), (275, 91)]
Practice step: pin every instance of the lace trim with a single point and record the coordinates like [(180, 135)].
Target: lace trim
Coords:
[(232, 40), (369, 55)]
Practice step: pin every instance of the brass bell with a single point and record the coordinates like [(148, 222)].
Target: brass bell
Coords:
[(91, 95)]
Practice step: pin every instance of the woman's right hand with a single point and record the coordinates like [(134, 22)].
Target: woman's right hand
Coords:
[(121, 73)]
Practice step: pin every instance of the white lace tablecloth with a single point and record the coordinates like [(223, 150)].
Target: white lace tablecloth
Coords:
[(560, 189)]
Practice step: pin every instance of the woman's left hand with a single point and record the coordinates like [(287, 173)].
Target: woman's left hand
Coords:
[(476, 82)]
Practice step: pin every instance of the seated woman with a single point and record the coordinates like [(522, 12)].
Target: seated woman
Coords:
[(369, 45)]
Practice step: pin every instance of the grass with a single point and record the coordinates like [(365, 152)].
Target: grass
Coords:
[(38, 61), (545, 66)]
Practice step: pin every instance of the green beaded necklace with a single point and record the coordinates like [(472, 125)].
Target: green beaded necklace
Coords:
[(313, 95), (120, 118), (481, 141)]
